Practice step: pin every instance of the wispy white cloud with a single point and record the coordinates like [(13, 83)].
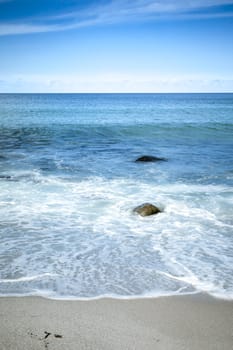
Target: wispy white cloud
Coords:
[(119, 11), (115, 82), (18, 28)]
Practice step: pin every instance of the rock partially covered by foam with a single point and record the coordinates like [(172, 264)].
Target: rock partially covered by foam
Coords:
[(146, 209), (150, 159)]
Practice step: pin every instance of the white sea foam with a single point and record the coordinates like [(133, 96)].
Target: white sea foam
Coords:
[(26, 278), (81, 239)]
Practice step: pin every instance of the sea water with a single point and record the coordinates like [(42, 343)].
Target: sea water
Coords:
[(69, 183)]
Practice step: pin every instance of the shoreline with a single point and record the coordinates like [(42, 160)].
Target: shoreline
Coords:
[(196, 321), (194, 294)]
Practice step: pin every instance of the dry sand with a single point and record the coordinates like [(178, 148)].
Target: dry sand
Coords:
[(182, 323)]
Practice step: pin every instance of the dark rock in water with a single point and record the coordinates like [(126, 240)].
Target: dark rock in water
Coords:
[(150, 159), (147, 209), (5, 177)]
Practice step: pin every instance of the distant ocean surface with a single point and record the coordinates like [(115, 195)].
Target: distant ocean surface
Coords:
[(69, 183)]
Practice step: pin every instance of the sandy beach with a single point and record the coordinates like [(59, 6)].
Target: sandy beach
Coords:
[(181, 322)]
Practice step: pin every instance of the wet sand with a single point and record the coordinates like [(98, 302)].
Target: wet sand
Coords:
[(170, 323)]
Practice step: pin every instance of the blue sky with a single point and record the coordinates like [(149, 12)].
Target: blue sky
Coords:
[(116, 46)]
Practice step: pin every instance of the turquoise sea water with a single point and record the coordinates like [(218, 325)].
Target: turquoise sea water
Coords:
[(69, 183)]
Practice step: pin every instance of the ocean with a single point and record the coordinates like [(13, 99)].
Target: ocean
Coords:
[(69, 183)]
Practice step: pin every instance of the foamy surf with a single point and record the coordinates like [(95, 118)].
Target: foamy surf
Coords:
[(90, 243)]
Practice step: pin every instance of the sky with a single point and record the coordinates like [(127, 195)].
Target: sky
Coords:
[(116, 46)]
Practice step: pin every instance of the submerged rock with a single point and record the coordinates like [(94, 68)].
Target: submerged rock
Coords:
[(146, 209), (150, 159), (5, 177)]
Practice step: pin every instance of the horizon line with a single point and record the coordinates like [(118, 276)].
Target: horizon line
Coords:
[(112, 93)]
